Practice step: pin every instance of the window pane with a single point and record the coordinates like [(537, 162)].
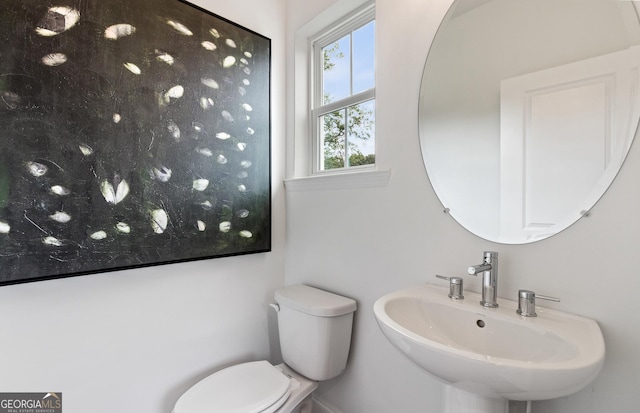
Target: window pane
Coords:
[(364, 58), (361, 134), (336, 73), (333, 139), (356, 123), (345, 137)]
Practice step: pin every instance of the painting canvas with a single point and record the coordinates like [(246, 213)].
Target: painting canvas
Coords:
[(132, 133)]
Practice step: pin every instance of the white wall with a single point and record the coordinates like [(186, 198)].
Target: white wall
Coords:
[(382, 239), (135, 340)]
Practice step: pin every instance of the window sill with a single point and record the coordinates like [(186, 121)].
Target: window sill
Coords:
[(346, 180)]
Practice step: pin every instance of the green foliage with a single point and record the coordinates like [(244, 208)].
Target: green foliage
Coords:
[(333, 162), (330, 53), (357, 159)]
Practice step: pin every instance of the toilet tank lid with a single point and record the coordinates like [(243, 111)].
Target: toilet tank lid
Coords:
[(314, 301)]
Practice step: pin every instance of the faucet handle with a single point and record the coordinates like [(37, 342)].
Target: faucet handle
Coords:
[(546, 297), (527, 302), (456, 289)]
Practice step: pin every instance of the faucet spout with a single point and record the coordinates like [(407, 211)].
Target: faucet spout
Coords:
[(489, 270), (475, 269)]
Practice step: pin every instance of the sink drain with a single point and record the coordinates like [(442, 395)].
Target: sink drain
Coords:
[(480, 323)]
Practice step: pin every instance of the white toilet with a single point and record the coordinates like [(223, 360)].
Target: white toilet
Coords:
[(315, 336)]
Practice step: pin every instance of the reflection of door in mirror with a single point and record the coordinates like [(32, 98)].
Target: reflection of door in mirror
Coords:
[(565, 131)]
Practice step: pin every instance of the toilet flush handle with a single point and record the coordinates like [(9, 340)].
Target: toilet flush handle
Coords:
[(275, 306)]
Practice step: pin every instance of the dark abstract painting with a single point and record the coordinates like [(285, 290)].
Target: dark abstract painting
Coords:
[(132, 133)]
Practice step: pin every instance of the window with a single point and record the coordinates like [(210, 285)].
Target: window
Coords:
[(343, 95)]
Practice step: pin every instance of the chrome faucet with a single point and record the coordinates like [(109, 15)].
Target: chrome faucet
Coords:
[(489, 270)]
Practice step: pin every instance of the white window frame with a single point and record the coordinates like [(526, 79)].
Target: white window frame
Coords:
[(333, 33)]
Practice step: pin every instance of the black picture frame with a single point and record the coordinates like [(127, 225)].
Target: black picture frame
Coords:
[(132, 133)]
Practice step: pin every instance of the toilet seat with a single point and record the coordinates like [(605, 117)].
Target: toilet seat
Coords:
[(254, 387)]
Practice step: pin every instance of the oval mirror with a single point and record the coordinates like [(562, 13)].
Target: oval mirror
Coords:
[(527, 111)]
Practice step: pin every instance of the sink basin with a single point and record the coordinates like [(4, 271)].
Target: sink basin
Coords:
[(492, 351)]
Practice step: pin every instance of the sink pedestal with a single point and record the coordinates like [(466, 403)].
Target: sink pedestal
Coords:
[(459, 401)]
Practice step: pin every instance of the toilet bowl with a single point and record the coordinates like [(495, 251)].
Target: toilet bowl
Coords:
[(315, 337)]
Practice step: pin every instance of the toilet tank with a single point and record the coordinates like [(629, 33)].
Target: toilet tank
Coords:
[(315, 330)]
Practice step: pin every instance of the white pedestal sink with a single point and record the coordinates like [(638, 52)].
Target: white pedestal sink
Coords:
[(490, 355)]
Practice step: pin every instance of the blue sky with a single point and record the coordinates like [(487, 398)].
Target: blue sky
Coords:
[(336, 80)]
